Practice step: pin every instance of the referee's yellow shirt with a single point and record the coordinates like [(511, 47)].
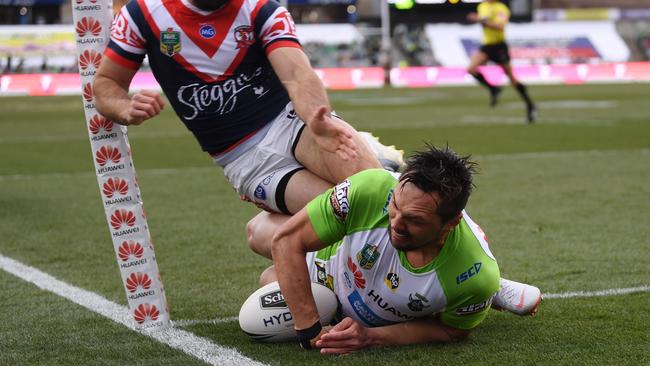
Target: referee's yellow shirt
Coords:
[(496, 12)]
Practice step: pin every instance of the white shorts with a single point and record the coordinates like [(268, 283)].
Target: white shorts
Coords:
[(262, 172)]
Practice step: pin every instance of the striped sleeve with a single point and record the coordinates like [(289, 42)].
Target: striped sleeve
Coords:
[(127, 46), (275, 27)]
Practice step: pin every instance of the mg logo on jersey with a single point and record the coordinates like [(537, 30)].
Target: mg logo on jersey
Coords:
[(89, 57), (122, 217), (244, 36), (138, 279), (473, 270), (98, 122), (88, 25), (367, 256), (170, 42), (115, 185), (130, 248), (207, 31), (145, 311), (106, 154)]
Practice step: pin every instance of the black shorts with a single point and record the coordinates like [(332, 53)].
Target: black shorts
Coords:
[(497, 53)]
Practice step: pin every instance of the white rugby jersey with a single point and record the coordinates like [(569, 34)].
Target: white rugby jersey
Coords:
[(212, 66), (374, 282)]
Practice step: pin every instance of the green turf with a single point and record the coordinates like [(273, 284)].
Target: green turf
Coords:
[(564, 203)]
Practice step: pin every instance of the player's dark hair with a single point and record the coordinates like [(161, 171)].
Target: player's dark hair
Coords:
[(444, 172)]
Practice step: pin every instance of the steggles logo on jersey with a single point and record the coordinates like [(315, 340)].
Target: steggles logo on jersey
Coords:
[(115, 185), (138, 279), (98, 122), (170, 42), (106, 154), (122, 217), (244, 36), (88, 58), (339, 200), (417, 303), (359, 281), (367, 256), (207, 31), (145, 311), (130, 248), (88, 25), (392, 281)]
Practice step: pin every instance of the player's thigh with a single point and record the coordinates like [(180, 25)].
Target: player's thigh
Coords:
[(477, 59), (330, 166), (260, 230), (302, 187)]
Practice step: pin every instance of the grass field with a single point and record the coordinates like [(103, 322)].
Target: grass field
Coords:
[(565, 203)]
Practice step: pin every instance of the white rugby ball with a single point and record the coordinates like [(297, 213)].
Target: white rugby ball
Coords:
[(265, 317)]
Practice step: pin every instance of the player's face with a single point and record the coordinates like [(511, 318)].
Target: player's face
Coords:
[(209, 4), (414, 223)]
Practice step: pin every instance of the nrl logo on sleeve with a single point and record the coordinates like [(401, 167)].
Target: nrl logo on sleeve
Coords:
[(170, 42), (339, 200)]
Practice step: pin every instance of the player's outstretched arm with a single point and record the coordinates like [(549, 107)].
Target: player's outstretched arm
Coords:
[(290, 244), (111, 89), (310, 101), (349, 336)]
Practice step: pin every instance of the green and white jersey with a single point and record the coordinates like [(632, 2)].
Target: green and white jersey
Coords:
[(374, 282)]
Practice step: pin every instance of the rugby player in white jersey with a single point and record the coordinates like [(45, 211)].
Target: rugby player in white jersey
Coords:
[(405, 260), (235, 74)]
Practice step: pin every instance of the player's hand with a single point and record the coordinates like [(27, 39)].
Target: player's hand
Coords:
[(333, 136), (144, 105), (472, 17), (345, 337)]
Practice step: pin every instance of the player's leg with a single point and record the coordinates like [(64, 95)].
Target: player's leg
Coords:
[(267, 276), (531, 109), (477, 59), (260, 230), (329, 166)]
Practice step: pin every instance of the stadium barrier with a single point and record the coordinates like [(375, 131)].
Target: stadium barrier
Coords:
[(370, 77)]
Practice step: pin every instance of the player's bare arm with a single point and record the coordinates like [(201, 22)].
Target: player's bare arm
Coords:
[(349, 336), (290, 244), (112, 99), (310, 101)]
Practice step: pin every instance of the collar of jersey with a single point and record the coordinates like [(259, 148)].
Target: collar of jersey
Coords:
[(450, 246)]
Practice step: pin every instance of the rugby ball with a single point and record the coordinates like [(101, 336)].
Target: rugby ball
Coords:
[(265, 317)]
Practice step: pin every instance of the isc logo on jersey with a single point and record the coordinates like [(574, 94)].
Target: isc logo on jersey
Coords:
[(339, 200)]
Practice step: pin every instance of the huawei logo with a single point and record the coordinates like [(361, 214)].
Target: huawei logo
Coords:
[(114, 185), (122, 216), (88, 92), (106, 154), (137, 279), (88, 25), (98, 122), (89, 57), (129, 248), (359, 281), (145, 311)]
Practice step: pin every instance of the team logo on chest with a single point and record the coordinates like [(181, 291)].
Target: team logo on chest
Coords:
[(417, 303), (244, 36), (170, 42), (367, 256)]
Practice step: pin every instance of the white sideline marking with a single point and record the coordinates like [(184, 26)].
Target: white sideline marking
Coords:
[(185, 341), (601, 293), (525, 155)]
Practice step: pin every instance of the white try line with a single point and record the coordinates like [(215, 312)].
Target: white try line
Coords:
[(601, 293), (185, 341)]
